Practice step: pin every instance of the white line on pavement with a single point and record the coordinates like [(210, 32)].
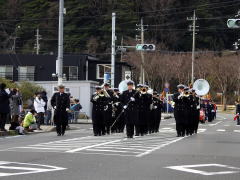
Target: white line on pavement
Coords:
[(159, 147), (221, 130), (95, 145)]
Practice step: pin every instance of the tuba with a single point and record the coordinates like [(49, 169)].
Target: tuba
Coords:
[(201, 87)]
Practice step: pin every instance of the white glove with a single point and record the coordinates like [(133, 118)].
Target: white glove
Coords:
[(155, 107), (181, 95), (54, 107), (132, 99), (8, 90), (125, 107), (67, 109)]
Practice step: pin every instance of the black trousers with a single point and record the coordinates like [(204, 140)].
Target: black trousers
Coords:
[(130, 130), (99, 127), (61, 121), (3, 119), (238, 121), (40, 119)]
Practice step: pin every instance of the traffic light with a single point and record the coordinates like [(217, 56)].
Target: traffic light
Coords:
[(233, 23), (145, 47)]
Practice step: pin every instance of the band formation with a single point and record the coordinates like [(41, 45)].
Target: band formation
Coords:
[(140, 111)]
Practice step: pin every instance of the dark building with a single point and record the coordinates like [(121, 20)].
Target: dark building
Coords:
[(18, 67)]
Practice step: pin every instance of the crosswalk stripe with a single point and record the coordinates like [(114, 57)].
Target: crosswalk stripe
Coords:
[(221, 130), (88, 147)]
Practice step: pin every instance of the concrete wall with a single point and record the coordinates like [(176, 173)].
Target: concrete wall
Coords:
[(81, 90)]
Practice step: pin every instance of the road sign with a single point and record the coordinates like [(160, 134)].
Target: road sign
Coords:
[(128, 75), (166, 89)]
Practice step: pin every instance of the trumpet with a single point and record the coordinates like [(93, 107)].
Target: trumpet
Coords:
[(143, 90)]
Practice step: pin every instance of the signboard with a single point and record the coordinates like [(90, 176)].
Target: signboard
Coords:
[(107, 77), (128, 75)]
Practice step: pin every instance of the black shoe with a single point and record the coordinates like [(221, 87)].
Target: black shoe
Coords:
[(136, 134), (58, 134)]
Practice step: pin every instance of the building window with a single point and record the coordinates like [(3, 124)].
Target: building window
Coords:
[(6, 72), (71, 73), (26, 73), (102, 69)]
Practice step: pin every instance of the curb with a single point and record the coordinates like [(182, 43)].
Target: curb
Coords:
[(15, 133)]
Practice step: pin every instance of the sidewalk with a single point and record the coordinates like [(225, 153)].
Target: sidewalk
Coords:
[(44, 128)]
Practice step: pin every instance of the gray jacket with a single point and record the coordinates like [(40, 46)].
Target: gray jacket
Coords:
[(14, 104)]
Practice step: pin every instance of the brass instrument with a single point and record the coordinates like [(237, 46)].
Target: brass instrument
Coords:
[(143, 90)]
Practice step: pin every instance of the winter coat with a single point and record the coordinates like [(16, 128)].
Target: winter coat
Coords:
[(4, 102), (39, 105), (28, 120), (15, 102)]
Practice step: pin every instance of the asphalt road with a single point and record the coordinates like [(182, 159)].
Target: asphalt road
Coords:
[(213, 154)]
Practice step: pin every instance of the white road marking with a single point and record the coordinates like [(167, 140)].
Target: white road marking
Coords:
[(221, 130), (238, 131), (118, 145), (187, 168), (24, 168), (92, 146), (161, 146), (215, 123)]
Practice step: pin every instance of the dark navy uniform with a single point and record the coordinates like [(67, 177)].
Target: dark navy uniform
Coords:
[(98, 114), (179, 113), (131, 113), (157, 106), (60, 102), (108, 112), (144, 123), (195, 113), (117, 113)]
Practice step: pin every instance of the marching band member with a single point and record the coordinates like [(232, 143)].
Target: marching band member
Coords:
[(179, 110), (117, 109), (129, 100), (156, 110), (195, 111), (100, 101), (143, 125), (108, 108)]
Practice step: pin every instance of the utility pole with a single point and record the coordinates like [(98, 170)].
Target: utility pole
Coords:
[(59, 62), (113, 50), (142, 71), (121, 51), (37, 45), (193, 30)]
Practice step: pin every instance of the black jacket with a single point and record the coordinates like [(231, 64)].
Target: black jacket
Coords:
[(61, 102), (100, 104), (4, 102), (125, 99)]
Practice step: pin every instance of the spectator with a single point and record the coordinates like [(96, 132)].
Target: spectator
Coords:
[(45, 99), (76, 109), (29, 122), (15, 103), (48, 116), (39, 105), (4, 106)]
